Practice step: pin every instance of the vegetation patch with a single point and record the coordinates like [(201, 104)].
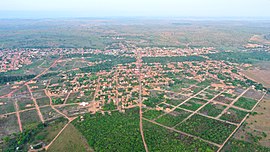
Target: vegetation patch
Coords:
[(70, 140), (206, 128), (153, 101), (173, 118), (165, 60), (193, 104), (234, 115), (243, 146), (241, 57), (41, 133), (152, 114), (115, 132), (246, 103), (162, 139), (29, 119), (174, 101), (212, 109)]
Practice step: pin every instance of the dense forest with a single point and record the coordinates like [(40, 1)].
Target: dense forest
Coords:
[(241, 57)]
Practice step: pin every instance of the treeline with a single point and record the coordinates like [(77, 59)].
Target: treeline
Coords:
[(79, 55), (91, 57), (108, 64), (5, 78), (49, 74), (165, 60), (258, 86), (241, 57)]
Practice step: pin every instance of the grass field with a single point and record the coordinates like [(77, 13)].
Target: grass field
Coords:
[(29, 119), (8, 126), (70, 140)]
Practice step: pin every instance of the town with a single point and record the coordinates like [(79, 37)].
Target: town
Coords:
[(175, 86)]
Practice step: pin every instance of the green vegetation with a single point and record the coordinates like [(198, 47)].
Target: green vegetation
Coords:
[(11, 78), (109, 106), (41, 133), (173, 118), (120, 132), (243, 146), (115, 132), (206, 128), (234, 115), (241, 57), (107, 61), (161, 139), (204, 83), (246, 103), (7, 107), (229, 95), (70, 140), (212, 109), (153, 101), (174, 102), (165, 60), (193, 104), (57, 101), (152, 114)]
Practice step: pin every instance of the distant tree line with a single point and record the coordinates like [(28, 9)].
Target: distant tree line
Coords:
[(241, 57), (9, 78), (108, 64), (165, 60)]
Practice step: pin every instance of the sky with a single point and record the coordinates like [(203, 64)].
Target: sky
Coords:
[(136, 8)]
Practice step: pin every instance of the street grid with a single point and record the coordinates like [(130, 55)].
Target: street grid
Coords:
[(70, 119)]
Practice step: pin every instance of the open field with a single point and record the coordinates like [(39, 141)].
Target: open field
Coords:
[(261, 76), (259, 73), (8, 126), (70, 140), (256, 129)]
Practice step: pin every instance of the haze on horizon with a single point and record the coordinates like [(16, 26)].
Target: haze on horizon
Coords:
[(128, 8)]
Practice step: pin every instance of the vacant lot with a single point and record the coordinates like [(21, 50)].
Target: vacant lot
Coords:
[(8, 125)]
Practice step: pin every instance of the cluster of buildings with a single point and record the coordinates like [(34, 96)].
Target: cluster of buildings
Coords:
[(159, 52)]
